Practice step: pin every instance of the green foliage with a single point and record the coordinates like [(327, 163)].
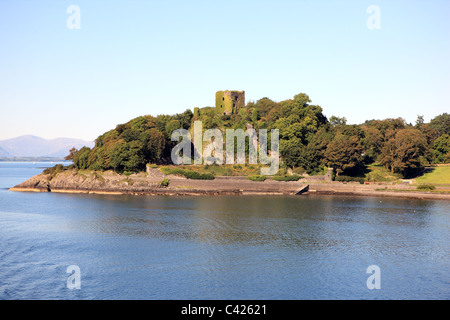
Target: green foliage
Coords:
[(286, 178), (129, 146), (441, 149), (188, 174), (198, 176), (378, 173), (307, 140), (164, 183), (53, 171), (337, 121), (257, 178), (349, 179), (344, 153), (426, 187), (441, 123), (402, 153), (80, 158)]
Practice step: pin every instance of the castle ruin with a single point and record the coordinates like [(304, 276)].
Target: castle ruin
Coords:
[(229, 102)]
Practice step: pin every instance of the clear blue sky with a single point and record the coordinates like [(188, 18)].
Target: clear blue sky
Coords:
[(132, 58)]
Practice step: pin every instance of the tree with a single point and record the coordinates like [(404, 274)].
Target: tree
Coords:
[(72, 153), (171, 126), (372, 142), (290, 151), (336, 121), (81, 158), (344, 154), (155, 146), (420, 121), (403, 153), (442, 149), (441, 123), (134, 159), (117, 155)]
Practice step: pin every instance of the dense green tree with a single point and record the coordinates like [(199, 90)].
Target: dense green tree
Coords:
[(155, 146), (441, 123), (344, 154), (79, 157), (171, 126), (442, 149), (404, 152)]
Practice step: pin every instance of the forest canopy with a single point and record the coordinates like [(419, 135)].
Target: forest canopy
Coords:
[(308, 139)]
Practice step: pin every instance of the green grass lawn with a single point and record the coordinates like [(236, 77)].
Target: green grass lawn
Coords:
[(378, 173), (438, 175)]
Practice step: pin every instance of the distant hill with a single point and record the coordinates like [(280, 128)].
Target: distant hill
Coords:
[(32, 146), (4, 153)]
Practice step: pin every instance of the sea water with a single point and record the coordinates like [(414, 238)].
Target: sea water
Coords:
[(218, 247)]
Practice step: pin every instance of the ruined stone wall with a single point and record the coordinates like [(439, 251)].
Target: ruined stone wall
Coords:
[(229, 102)]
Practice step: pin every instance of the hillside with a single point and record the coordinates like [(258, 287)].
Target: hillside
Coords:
[(4, 153), (305, 139), (32, 146)]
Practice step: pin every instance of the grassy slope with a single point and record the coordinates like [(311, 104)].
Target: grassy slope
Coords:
[(377, 173), (438, 175)]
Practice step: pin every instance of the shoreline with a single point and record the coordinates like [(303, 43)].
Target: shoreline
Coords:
[(197, 192), (109, 183)]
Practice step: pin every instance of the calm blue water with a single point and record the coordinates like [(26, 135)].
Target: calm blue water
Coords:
[(136, 247)]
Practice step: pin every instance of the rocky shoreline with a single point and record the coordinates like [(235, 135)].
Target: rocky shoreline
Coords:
[(149, 183)]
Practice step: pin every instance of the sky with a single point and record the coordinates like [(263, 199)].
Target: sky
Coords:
[(64, 74)]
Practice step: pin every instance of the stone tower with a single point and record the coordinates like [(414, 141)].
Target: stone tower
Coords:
[(229, 102)]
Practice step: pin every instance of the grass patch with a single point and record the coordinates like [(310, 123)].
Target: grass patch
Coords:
[(257, 178), (426, 187), (414, 190), (225, 170), (53, 171), (349, 179), (436, 175), (286, 178), (378, 173), (188, 173)]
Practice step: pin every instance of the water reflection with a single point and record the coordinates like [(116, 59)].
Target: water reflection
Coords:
[(313, 223)]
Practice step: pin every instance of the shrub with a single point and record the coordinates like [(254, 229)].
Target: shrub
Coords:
[(349, 179), (188, 174), (299, 170), (287, 178), (127, 173), (257, 178), (198, 176), (53, 171), (165, 183), (426, 187)]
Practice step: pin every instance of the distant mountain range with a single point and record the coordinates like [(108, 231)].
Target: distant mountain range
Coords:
[(32, 146)]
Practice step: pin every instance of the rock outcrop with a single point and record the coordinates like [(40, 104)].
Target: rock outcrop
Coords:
[(74, 181)]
